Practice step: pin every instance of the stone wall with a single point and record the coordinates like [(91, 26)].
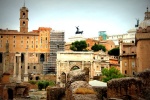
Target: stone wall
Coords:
[(55, 93), (130, 88)]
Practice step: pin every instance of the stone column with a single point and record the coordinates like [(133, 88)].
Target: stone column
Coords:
[(91, 72), (26, 68), (19, 71), (82, 65), (58, 74), (14, 74)]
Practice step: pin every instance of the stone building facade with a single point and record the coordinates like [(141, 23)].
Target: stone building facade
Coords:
[(69, 60), (32, 47), (142, 43), (127, 58)]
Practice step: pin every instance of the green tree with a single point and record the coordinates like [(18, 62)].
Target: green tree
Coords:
[(97, 47), (114, 52), (78, 46), (111, 73)]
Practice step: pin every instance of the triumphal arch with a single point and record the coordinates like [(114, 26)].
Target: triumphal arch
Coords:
[(69, 60)]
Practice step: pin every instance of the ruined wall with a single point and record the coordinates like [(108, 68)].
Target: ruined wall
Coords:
[(132, 88), (55, 93)]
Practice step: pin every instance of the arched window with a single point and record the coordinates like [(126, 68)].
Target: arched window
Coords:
[(24, 23), (37, 78), (42, 58)]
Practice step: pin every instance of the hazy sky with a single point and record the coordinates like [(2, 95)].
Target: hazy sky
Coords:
[(113, 16)]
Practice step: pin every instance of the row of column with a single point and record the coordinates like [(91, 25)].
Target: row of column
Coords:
[(18, 56)]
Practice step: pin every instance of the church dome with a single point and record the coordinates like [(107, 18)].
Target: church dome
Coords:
[(145, 24), (132, 30)]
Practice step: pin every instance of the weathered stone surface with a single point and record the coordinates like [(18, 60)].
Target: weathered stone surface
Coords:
[(130, 88), (101, 92), (71, 94), (76, 75), (84, 97), (55, 93), (117, 88)]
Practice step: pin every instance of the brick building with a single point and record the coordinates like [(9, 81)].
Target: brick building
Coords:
[(31, 47)]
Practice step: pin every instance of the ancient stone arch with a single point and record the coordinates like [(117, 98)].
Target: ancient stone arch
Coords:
[(75, 67)]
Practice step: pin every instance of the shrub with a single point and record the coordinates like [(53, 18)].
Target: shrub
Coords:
[(84, 91), (40, 85), (46, 84), (51, 83)]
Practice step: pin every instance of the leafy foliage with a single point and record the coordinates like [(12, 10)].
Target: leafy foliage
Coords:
[(45, 84), (111, 74), (114, 51), (97, 47), (40, 85), (78, 46)]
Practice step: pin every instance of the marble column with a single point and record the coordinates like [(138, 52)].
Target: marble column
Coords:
[(26, 68), (14, 74), (19, 69)]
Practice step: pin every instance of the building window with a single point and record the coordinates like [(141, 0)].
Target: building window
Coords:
[(1, 36), (23, 23), (32, 46), (57, 46), (124, 52), (14, 36), (125, 71), (21, 66), (14, 41), (21, 41), (27, 41), (125, 64), (133, 64), (34, 67), (27, 37), (28, 67), (36, 46), (14, 46)]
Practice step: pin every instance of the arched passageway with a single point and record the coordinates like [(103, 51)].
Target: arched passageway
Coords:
[(42, 58), (63, 77), (10, 94), (75, 68)]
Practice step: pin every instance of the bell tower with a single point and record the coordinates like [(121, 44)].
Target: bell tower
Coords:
[(24, 19)]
